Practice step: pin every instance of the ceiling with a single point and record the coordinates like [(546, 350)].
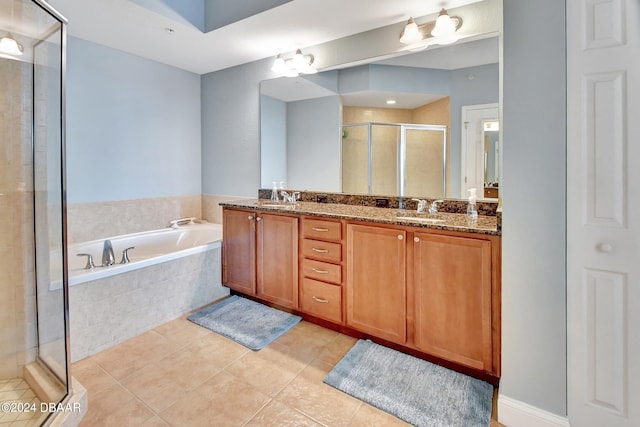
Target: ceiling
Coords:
[(140, 27)]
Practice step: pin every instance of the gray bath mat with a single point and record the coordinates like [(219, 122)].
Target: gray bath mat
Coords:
[(249, 323), (412, 389)]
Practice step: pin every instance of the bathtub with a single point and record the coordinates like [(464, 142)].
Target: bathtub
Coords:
[(150, 248), (171, 272)]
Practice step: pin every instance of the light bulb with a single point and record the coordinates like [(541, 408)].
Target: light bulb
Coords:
[(411, 33), (445, 29), (279, 65), (299, 61), (10, 46)]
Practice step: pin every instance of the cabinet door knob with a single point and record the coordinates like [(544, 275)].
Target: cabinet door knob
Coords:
[(605, 247), (400, 237), (258, 218), (321, 300), (250, 217), (416, 239)]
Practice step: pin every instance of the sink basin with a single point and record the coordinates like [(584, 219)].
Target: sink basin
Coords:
[(421, 219)]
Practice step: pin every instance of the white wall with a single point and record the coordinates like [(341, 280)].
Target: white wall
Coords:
[(133, 126)]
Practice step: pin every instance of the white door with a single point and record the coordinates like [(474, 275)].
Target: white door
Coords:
[(603, 212), (472, 153)]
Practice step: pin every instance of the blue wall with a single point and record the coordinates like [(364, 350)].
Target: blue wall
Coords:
[(314, 146), (133, 126), (231, 129), (534, 350), (483, 88), (273, 141)]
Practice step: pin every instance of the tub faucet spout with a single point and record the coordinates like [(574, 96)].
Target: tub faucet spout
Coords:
[(107, 254)]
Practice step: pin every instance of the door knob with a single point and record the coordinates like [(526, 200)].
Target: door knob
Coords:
[(604, 247), (400, 237), (416, 239)]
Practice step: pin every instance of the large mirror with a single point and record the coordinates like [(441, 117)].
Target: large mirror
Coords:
[(390, 127)]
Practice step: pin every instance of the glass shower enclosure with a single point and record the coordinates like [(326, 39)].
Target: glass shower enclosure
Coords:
[(34, 348), (394, 159)]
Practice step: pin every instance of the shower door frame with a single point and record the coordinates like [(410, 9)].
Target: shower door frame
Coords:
[(62, 120)]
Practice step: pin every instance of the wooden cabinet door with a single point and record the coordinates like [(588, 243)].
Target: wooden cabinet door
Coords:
[(452, 298), (277, 252), (375, 286), (238, 250)]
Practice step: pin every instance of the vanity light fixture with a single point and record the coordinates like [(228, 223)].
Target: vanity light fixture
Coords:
[(442, 30), (293, 67), (9, 46)]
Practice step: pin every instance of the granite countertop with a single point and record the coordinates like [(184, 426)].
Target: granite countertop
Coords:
[(443, 220)]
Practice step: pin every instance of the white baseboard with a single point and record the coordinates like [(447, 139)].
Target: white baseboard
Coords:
[(513, 413)]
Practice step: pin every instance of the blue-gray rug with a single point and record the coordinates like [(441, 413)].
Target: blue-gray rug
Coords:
[(412, 389), (247, 322)]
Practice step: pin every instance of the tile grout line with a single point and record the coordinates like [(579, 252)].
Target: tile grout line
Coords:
[(126, 389), (153, 411)]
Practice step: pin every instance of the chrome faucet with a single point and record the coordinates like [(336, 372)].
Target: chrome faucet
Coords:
[(107, 254), (125, 255), (90, 265), (293, 198), (433, 209), (422, 205)]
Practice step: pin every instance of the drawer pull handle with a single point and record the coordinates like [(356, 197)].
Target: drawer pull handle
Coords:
[(321, 300), (322, 251), (320, 271), (322, 230)]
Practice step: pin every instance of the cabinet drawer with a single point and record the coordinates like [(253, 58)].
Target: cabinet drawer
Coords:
[(321, 300), (322, 230), (322, 271), (323, 251)]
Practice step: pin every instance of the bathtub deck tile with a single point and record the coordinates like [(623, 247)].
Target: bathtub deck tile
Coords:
[(110, 310)]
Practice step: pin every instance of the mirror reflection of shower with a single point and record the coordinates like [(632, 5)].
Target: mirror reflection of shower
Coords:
[(394, 159), (33, 340)]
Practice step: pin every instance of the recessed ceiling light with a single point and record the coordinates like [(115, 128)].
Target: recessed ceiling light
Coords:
[(391, 101)]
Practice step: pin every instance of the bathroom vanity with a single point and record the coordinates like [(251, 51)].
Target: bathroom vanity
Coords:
[(428, 285)]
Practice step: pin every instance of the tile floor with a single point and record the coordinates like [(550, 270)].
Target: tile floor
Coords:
[(18, 391), (180, 374)]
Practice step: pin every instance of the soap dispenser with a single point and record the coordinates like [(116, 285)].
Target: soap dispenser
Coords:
[(472, 210), (274, 193)]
